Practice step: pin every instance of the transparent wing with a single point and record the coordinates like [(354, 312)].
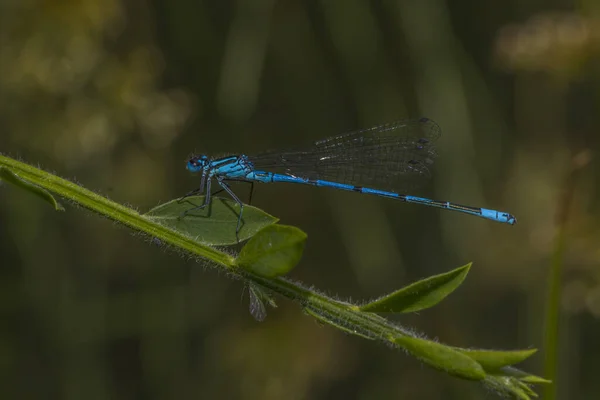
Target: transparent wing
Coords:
[(394, 156)]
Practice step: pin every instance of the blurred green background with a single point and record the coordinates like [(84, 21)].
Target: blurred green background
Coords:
[(116, 94)]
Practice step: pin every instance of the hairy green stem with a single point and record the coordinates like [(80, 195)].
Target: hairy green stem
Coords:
[(485, 366)]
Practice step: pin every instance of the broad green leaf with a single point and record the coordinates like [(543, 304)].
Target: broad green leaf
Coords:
[(273, 251), (215, 224), (419, 295), (442, 357), (492, 360), (8, 176)]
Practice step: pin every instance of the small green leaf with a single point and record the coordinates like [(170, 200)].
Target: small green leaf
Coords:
[(419, 295), (442, 357), (492, 360), (9, 176), (523, 376), (534, 379), (272, 252), (215, 224), (510, 386)]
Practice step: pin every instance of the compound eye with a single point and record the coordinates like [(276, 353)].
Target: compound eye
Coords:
[(194, 164)]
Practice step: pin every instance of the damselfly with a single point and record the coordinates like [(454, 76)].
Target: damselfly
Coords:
[(384, 161)]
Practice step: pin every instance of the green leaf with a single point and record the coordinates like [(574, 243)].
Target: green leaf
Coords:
[(8, 176), (272, 252), (492, 360), (512, 386), (534, 379), (442, 357), (523, 376), (213, 225), (419, 295)]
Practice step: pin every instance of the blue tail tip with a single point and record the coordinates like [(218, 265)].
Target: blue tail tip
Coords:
[(511, 219), (498, 216)]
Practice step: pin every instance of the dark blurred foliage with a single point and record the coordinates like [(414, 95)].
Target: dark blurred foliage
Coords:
[(115, 94)]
